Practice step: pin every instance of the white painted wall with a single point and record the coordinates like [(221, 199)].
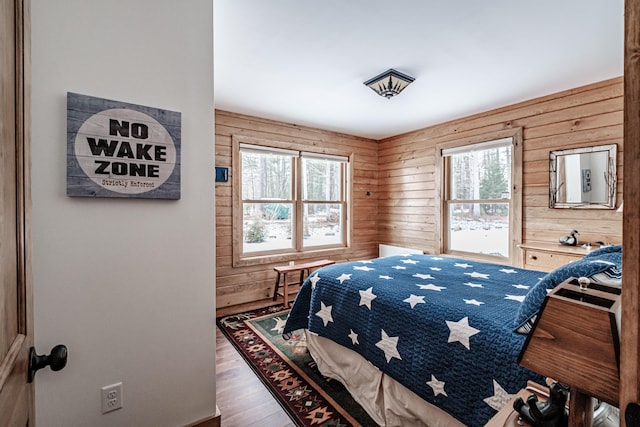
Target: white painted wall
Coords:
[(127, 285)]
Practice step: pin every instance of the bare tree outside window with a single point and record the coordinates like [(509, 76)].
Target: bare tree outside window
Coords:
[(478, 205)]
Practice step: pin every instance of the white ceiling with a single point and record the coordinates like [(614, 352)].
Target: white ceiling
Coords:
[(304, 61)]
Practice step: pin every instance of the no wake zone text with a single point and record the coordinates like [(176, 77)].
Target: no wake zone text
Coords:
[(127, 150)]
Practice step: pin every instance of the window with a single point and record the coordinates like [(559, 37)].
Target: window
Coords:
[(479, 210), (267, 199), (291, 201), (323, 200)]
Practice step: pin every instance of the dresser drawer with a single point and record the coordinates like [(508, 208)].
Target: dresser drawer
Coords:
[(546, 261)]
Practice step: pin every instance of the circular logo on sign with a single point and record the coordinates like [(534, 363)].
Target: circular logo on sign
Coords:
[(125, 151)]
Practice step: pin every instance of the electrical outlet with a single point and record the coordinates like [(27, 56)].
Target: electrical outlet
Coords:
[(111, 397)]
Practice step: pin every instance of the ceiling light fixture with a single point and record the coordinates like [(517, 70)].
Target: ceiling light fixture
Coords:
[(390, 83)]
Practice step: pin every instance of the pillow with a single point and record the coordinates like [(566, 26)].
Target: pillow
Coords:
[(603, 265), (610, 276), (604, 250)]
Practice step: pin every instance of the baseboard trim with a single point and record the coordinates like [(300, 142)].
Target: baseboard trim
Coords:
[(212, 421), (248, 306)]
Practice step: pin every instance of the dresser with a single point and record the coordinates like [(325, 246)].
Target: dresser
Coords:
[(549, 256)]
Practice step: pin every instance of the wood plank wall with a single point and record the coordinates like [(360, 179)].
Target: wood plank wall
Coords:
[(398, 173), (581, 117), (242, 285)]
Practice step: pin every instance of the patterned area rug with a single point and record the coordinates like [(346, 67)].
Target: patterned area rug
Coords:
[(289, 372)]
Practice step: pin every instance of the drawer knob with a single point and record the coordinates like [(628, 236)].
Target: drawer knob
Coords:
[(534, 257)]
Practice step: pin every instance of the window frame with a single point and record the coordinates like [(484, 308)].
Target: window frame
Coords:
[(302, 201), (297, 251), (515, 203)]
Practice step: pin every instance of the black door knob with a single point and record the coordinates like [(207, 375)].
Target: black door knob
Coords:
[(56, 360)]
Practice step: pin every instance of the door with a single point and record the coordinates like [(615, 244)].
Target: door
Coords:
[(16, 330)]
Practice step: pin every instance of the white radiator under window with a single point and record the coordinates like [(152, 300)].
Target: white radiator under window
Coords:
[(388, 250)]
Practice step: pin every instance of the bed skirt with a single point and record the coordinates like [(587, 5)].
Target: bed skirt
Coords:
[(388, 402)]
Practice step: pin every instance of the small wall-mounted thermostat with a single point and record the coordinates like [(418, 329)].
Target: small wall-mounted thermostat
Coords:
[(222, 174)]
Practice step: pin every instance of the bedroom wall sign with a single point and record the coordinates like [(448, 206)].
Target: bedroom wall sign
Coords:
[(116, 149)]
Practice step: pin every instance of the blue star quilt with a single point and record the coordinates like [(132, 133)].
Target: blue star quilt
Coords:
[(441, 326)]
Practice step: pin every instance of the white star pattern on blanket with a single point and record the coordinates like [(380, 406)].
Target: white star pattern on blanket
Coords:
[(431, 287), (385, 277), (475, 274), (389, 346), (473, 285), (423, 276), (314, 279), (499, 398), (521, 286), (353, 336), (518, 298), (473, 302), (437, 386), (414, 299), (460, 331), (399, 267), (343, 277), (364, 268), (465, 265), (508, 270), (325, 313), (366, 297), (409, 261)]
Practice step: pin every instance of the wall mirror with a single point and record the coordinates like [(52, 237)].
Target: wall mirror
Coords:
[(583, 178)]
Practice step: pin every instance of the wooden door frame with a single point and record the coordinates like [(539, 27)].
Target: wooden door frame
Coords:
[(23, 156), (23, 178), (630, 344), (17, 395), (25, 203)]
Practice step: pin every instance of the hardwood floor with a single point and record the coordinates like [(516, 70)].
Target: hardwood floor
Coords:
[(242, 399)]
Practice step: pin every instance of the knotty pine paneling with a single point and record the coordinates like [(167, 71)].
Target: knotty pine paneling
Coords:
[(584, 116), (239, 285), (398, 173)]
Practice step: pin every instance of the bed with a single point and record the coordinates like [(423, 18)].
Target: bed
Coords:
[(427, 340)]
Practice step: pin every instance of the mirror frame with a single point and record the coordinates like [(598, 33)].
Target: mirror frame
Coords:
[(612, 149)]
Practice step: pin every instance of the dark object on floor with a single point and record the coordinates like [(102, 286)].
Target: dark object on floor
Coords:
[(571, 239), (546, 414), (632, 415)]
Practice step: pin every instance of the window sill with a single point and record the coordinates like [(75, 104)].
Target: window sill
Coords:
[(288, 256), (472, 256)]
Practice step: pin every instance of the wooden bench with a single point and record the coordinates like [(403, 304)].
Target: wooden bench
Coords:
[(284, 270)]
